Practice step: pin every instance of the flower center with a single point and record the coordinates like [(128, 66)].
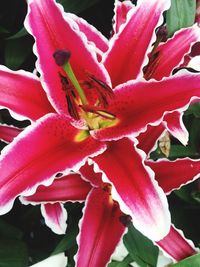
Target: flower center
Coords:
[(87, 99)]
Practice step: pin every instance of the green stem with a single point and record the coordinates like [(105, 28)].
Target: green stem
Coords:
[(68, 69)]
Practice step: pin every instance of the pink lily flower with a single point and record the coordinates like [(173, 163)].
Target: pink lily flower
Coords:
[(64, 189), (85, 119), (74, 187)]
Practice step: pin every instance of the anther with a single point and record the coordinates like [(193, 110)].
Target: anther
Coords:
[(103, 113), (150, 68), (102, 88), (70, 97), (102, 84), (72, 109), (61, 57), (107, 187)]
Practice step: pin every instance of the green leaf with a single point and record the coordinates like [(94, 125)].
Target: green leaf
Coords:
[(180, 15), (3, 30), (126, 261), (194, 109), (23, 32), (177, 151), (194, 134), (13, 253), (68, 241), (9, 231), (141, 249), (193, 261), (77, 6), (196, 196), (16, 51), (68, 244), (185, 193)]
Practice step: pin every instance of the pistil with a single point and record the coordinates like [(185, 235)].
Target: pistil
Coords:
[(68, 69), (62, 59), (95, 114)]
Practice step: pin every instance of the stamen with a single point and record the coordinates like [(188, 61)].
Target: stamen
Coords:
[(101, 85), (64, 81), (103, 90), (106, 114), (103, 100), (70, 96), (103, 113), (150, 68), (72, 107), (107, 187), (62, 59)]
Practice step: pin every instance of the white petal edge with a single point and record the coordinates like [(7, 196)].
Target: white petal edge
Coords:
[(57, 228)]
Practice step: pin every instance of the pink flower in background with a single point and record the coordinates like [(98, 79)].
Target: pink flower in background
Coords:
[(77, 117)]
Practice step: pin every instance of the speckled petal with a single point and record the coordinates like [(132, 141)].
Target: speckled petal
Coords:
[(139, 103), (40, 152)]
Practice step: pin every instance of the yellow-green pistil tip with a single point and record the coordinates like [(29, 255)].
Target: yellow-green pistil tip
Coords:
[(62, 59)]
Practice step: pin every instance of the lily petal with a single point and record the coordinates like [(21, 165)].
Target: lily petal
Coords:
[(128, 50), (8, 133), (59, 33), (171, 94), (22, 94), (38, 153), (70, 187), (136, 190), (87, 172), (173, 122), (101, 230), (120, 13), (171, 54), (147, 141), (176, 245), (173, 174), (55, 216), (92, 34), (176, 127)]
